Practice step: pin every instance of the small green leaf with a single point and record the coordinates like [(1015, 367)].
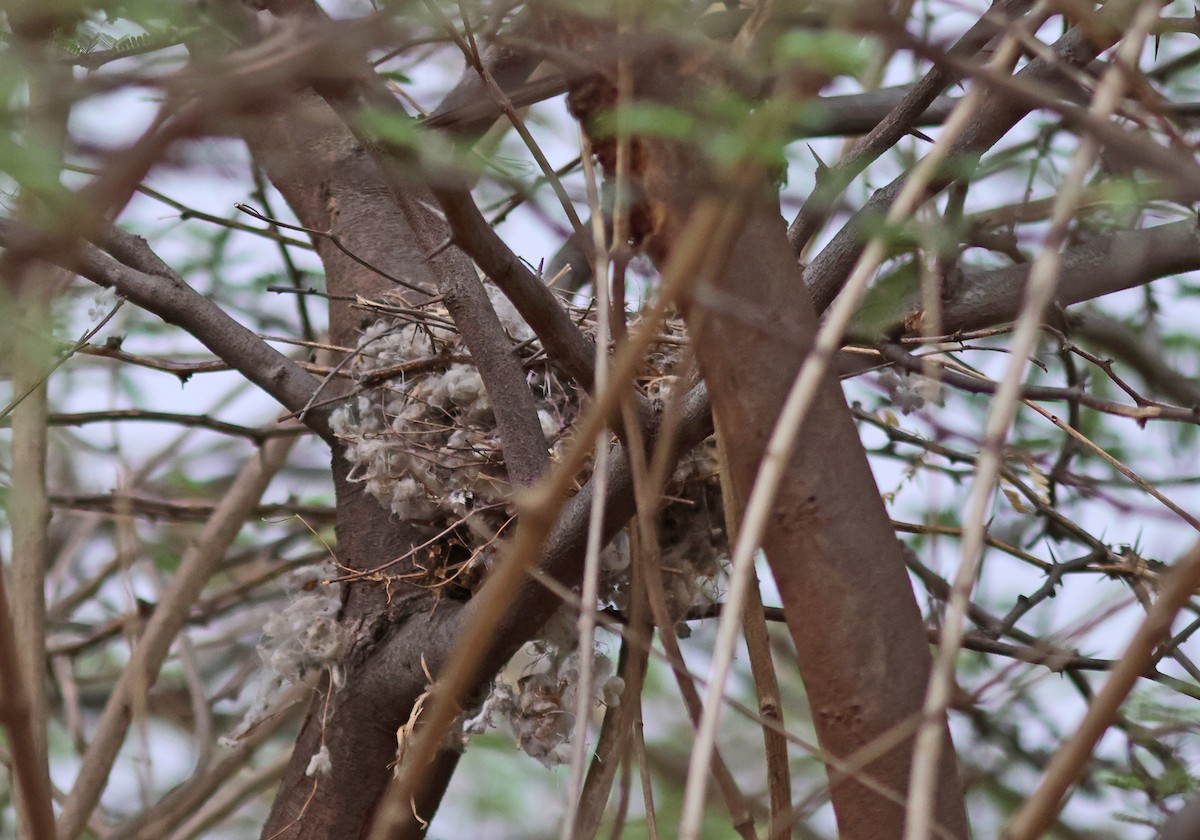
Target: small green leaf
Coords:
[(648, 118), (394, 129), (829, 51)]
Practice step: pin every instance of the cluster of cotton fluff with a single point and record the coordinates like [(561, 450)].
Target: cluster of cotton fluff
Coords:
[(304, 636), (909, 392), (102, 303), (413, 442), (541, 709), (424, 445)]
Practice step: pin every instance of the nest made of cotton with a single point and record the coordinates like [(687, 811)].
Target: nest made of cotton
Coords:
[(421, 438), (420, 434)]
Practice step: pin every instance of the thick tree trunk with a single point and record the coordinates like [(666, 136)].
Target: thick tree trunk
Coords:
[(838, 566), (836, 561), (333, 186)]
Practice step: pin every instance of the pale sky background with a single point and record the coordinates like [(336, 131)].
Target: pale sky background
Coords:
[(217, 177)]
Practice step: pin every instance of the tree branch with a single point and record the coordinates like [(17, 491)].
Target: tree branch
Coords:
[(16, 714), (914, 109), (165, 294), (1098, 267), (197, 565), (1114, 337), (566, 346), (973, 385), (999, 112)]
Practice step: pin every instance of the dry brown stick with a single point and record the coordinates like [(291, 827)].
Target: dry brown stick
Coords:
[(521, 438), (566, 346), (29, 513), (16, 713), (762, 668), (1039, 810), (640, 629), (169, 297), (613, 746), (165, 815), (202, 421), (30, 289), (471, 52), (651, 575), (468, 110), (639, 749), (648, 488), (230, 798), (1131, 346), (1076, 396), (198, 563)]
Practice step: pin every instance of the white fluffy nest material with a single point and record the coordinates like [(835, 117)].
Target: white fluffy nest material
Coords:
[(423, 442)]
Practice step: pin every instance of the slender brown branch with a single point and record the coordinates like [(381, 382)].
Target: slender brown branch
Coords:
[(200, 421), (166, 294), (180, 511), (566, 346), (1039, 811), (1080, 45), (1050, 656), (1078, 396), (1130, 347), (17, 716), (1122, 260), (197, 565), (903, 116)]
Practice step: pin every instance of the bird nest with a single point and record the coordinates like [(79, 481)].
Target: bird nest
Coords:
[(421, 438)]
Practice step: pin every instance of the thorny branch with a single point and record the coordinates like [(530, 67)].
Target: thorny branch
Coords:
[(368, 199)]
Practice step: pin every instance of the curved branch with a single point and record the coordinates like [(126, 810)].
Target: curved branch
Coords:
[(566, 346), (825, 275), (1099, 267), (1078, 396), (468, 110), (155, 287), (1114, 337), (522, 441), (916, 107), (201, 560)]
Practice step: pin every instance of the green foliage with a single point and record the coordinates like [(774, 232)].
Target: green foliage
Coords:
[(400, 132), (410, 145), (90, 40), (651, 119), (894, 290), (725, 127), (1171, 782), (834, 52)]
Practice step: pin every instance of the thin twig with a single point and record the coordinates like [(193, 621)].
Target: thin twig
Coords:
[(1001, 414), (1040, 809), (782, 443), (201, 559), (591, 563)]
